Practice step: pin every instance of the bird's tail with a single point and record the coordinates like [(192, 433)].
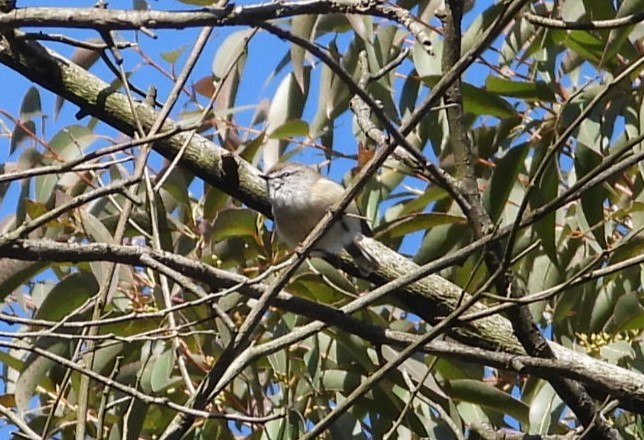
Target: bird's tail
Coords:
[(364, 261)]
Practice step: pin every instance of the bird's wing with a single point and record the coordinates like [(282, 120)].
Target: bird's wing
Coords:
[(335, 191)]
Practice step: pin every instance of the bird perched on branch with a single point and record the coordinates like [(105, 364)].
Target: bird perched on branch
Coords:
[(300, 197)]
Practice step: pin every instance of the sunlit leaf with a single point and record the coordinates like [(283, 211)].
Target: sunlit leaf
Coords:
[(301, 26), (290, 129), (543, 409), (617, 351), (173, 55), (480, 101), (230, 52), (287, 104), (530, 91), (234, 223), (415, 222)]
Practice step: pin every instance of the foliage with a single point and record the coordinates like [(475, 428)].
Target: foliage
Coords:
[(546, 110)]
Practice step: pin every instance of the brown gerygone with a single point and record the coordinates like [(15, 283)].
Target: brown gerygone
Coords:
[(300, 197)]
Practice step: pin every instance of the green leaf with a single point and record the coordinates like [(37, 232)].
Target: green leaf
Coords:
[(36, 369), (69, 143), (504, 179), (98, 233), (174, 191), (230, 52), (636, 322), (482, 22), (440, 240), (427, 65), (616, 351), (6, 168), (542, 411), (625, 309), (288, 104), (592, 201), (409, 94), (530, 91), (31, 105), (430, 195), (66, 296), (138, 417), (36, 209), (95, 229), (479, 101), (333, 24), (290, 129), (619, 39), (165, 231), (102, 358), (161, 375), (249, 153), (340, 380), (15, 273), (172, 56), (333, 95), (215, 199), (545, 191), (475, 391), (234, 223), (362, 26), (417, 222), (10, 362), (315, 289), (312, 356), (279, 362), (22, 132), (302, 26), (593, 9), (586, 45)]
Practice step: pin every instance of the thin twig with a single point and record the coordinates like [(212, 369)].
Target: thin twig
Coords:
[(612, 23)]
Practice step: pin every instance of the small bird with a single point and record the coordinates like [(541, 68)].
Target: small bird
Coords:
[(300, 197)]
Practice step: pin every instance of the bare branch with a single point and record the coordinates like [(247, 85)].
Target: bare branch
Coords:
[(613, 23)]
